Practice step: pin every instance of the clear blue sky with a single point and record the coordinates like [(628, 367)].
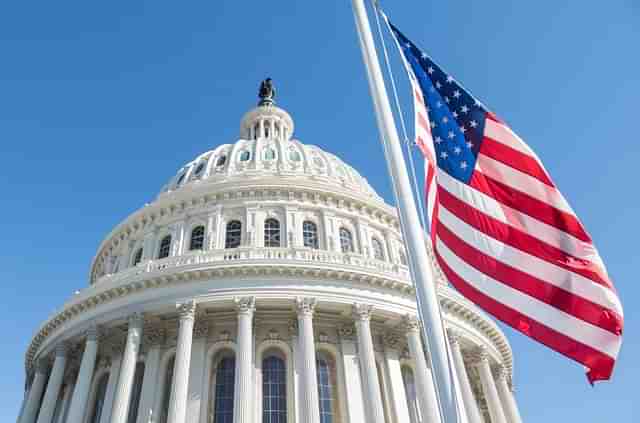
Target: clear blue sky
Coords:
[(101, 102)]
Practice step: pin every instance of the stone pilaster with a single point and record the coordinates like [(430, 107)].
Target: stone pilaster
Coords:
[(371, 384), (243, 399), (53, 386), (179, 390), (310, 409), (392, 347), (121, 402), (153, 339)]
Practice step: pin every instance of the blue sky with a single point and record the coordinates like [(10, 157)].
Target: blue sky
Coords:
[(101, 102)]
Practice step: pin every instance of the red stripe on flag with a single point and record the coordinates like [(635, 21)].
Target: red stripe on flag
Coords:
[(521, 240), (418, 96), (526, 204), (515, 159), (600, 365), (568, 302), (422, 121)]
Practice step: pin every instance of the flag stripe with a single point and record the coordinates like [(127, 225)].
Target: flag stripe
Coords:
[(520, 240), (511, 157), (580, 331), (510, 274), (600, 365), (496, 130)]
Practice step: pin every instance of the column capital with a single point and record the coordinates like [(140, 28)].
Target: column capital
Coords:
[(392, 341), (500, 372), (305, 306), (411, 323), (454, 337), (187, 310), (362, 312), (43, 365), (245, 305), (93, 333), (136, 320)]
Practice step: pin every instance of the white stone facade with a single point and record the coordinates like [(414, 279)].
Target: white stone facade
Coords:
[(266, 283)]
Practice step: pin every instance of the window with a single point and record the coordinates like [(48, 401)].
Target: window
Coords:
[(310, 234), (294, 156), (245, 155), (403, 257), (378, 251), (135, 393), (233, 234), (197, 238), (256, 131), (274, 390), (165, 247), (99, 403), (270, 154), (221, 161), (137, 257), (410, 389), (199, 169), (346, 241), (271, 233), (326, 390), (223, 402), (180, 179), (166, 394)]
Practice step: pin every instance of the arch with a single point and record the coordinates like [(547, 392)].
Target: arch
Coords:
[(165, 247), (282, 351), (272, 233), (214, 354), (328, 398), (196, 241), (310, 234), (233, 234), (378, 249), (346, 240)]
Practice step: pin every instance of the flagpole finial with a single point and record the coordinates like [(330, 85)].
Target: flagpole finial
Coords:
[(266, 93)]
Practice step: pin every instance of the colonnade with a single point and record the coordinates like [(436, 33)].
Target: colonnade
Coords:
[(45, 390)]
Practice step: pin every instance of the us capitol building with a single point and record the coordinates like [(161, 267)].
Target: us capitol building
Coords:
[(266, 283)]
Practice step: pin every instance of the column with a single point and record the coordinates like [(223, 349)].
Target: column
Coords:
[(83, 383), (179, 389), (243, 398), (363, 238), (310, 409), (177, 246), (213, 223), (148, 245), (66, 398), (122, 397), (506, 396), (370, 382), (350, 366), (331, 240), (425, 388), (152, 339), (197, 372), (35, 393), (468, 399), (296, 362), (116, 351), (399, 408), (489, 388), (53, 386)]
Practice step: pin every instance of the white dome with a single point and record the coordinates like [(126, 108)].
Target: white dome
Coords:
[(266, 148)]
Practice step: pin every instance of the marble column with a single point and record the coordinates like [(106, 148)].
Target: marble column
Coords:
[(506, 396), (489, 388), (470, 403), (310, 408), (425, 389), (35, 393), (116, 352), (370, 382), (52, 393), (355, 405), (197, 371), (243, 397), (179, 389), (83, 383), (122, 398), (153, 337), (400, 410)]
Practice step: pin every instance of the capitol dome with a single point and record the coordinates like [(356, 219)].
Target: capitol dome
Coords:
[(267, 282)]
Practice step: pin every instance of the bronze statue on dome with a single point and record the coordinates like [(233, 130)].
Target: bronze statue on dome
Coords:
[(267, 93)]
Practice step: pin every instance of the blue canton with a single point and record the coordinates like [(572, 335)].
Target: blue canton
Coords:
[(457, 119)]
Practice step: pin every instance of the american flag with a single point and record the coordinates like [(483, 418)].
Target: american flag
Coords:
[(503, 234)]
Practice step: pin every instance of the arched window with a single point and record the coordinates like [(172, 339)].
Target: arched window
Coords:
[(197, 238), (274, 390), (165, 247), (346, 241), (245, 155), (233, 234), (223, 402), (403, 257), (378, 250), (271, 233), (134, 403), (99, 402), (327, 393), (221, 161), (199, 169), (137, 257), (410, 390), (294, 156), (310, 234), (166, 394)]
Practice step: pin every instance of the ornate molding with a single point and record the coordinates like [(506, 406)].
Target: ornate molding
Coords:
[(201, 328), (392, 341), (362, 312), (245, 305), (347, 331), (306, 306), (410, 323), (153, 335), (186, 310)]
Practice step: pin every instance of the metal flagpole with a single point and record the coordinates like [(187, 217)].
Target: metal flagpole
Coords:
[(421, 272)]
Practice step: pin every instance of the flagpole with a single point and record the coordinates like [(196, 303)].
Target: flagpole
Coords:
[(421, 272)]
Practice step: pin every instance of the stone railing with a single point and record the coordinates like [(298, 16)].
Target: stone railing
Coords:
[(253, 254)]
